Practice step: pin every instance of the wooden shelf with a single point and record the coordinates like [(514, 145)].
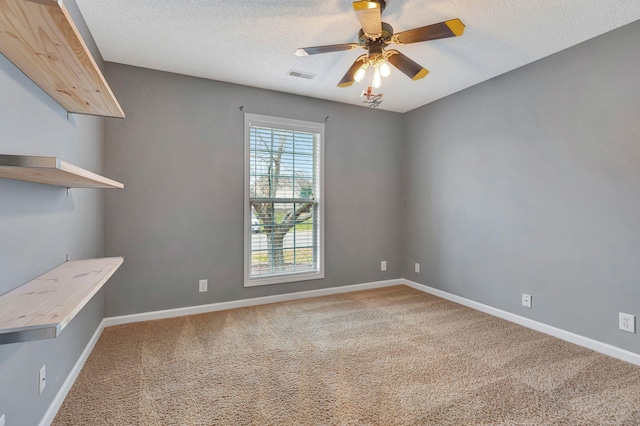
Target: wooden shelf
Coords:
[(40, 309), (51, 171), (40, 38)]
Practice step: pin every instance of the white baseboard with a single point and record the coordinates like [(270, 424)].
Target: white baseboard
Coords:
[(604, 348), (55, 405), (201, 309)]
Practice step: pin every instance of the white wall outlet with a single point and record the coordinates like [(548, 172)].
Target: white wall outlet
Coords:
[(42, 379), (2, 420), (203, 285), (417, 268), (383, 265), (526, 300), (627, 322)]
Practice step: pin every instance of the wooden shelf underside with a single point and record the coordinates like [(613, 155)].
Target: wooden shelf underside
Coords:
[(40, 309), (52, 171), (40, 38)]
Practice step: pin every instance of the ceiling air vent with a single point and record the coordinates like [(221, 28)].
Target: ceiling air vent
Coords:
[(300, 74)]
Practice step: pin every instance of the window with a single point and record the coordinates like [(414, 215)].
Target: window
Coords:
[(283, 200)]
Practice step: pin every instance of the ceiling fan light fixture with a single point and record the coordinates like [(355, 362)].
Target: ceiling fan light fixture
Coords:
[(362, 71), (385, 69), (376, 81)]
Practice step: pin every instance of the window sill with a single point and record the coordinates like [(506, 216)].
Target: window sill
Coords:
[(283, 278)]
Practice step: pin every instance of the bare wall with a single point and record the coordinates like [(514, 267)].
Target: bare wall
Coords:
[(180, 219), (39, 225), (530, 183)]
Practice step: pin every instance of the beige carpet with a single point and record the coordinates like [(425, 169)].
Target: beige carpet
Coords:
[(393, 356)]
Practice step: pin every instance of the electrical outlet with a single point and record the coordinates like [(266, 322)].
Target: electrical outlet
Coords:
[(417, 268), (526, 300), (627, 322), (203, 285), (2, 420), (42, 379), (383, 265)]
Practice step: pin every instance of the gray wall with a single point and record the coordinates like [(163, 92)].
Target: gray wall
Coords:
[(39, 225), (180, 219), (530, 183)]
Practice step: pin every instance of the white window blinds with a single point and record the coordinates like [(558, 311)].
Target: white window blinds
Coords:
[(284, 200)]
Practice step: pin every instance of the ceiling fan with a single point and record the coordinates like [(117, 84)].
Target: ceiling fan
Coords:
[(375, 36)]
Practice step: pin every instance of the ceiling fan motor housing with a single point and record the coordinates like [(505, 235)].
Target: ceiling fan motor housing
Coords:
[(385, 36)]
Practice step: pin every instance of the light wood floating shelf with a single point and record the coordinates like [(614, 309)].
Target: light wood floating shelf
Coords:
[(40, 38), (41, 309), (52, 171)]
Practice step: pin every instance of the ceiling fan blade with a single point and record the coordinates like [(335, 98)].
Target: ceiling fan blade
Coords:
[(410, 68), (369, 16), (348, 78), (450, 28), (305, 51)]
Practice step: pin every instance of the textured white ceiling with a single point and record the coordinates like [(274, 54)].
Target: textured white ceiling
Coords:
[(252, 42)]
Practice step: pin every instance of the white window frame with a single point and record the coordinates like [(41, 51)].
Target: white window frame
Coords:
[(295, 125)]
